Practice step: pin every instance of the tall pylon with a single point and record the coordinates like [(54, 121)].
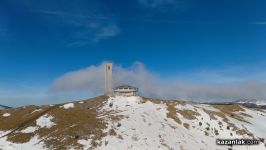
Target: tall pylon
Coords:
[(108, 78)]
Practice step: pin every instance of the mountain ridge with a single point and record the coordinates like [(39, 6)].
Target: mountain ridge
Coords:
[(129, 123), (4, 107)]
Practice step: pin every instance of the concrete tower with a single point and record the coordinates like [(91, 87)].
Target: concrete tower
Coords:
[(108, 78)]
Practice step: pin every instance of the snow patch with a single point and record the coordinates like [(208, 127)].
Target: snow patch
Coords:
[(6, 114), (261, 103), (2, 133), (29, 130), (68, 106), (36, 110), (185, 107), (207, 107), (45, 121), (86, 143)]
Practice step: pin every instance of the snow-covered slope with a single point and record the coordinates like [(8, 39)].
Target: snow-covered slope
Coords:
[(114, 123)]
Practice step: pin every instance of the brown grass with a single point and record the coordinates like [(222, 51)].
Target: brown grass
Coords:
[(71, 124), (246, 115), (120, 137), (155, 101), (112, 132), (188, 114), (186, 125), (231, 111), (87, 125), (261, 110), (18, 116), (162, 141), (229, 108), (116, 118), (172, 112), (206, 133), (243, 132), (20, 137)]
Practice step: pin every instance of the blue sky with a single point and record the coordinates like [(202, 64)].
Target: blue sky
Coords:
[(194, 41)]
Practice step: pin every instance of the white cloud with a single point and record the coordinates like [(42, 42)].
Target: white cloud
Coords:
[(107, 31), (259, 23), (226, 84), (156, 3), (85, 28), (90, 78), (152, 85), (180, 5)]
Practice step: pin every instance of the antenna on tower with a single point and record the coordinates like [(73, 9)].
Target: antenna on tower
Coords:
[(108, 78)]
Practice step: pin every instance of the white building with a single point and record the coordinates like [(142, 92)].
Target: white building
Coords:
[(125, 90)]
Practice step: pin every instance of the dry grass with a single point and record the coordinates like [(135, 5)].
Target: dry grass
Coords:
[(260, 110), (186, 125), (229, 108), (246, 115), (232, 110), (112, 132), (71, 124), (155, 101), (87, 125), (116, 118), (18, 116), (172, 112), (162, 141), (120, 137), (188, 114), (243, 132), (20, 137), (213, 115)]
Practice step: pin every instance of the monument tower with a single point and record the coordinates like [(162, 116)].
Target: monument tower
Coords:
[(108, 79)]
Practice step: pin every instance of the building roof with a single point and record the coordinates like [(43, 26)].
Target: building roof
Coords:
[(125, 87)]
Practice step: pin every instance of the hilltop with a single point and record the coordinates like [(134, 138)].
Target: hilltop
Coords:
[(4, 107), (114, 123)]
